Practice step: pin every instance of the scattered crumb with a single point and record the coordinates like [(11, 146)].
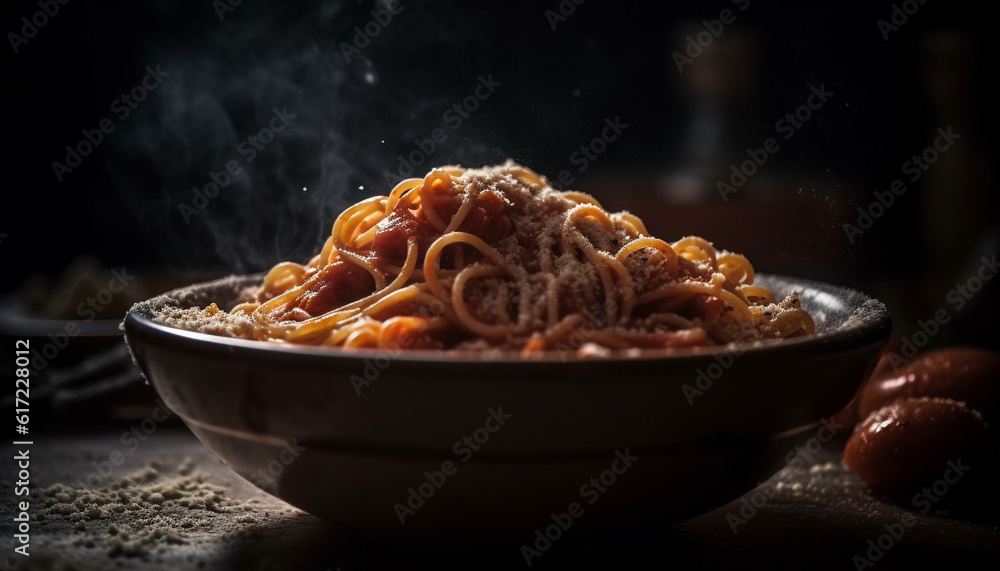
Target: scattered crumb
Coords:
[(144, 513), (187, 466), (824, 468)]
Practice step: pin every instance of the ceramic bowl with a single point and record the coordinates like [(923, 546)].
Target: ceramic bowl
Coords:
[(420, 445)]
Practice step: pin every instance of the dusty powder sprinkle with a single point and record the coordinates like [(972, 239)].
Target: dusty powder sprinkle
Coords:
[(145, 513)]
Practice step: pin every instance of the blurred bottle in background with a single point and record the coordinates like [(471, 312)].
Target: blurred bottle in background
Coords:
[(958, 217)]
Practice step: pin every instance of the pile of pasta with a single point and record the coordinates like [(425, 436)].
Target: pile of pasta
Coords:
[(496, 258)]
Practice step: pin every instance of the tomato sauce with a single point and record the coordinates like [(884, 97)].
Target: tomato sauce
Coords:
[(336, 284)]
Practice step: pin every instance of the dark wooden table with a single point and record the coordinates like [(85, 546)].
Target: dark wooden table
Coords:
[(810, 516)]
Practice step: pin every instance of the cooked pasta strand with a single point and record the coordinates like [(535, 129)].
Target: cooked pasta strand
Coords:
[(495, 257)]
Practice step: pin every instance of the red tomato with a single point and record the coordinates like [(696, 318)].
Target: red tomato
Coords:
[(963, 374), (911, 441)]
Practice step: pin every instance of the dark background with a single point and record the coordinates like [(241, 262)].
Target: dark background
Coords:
[(120, 209), (606, 60)]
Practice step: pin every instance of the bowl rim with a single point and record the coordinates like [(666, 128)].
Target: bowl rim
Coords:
[(872, 326), (14, 320)]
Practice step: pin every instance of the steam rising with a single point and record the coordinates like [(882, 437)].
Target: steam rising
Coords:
[(225, 84)]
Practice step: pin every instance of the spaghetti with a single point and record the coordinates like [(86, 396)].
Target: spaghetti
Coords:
[(497, 258)]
